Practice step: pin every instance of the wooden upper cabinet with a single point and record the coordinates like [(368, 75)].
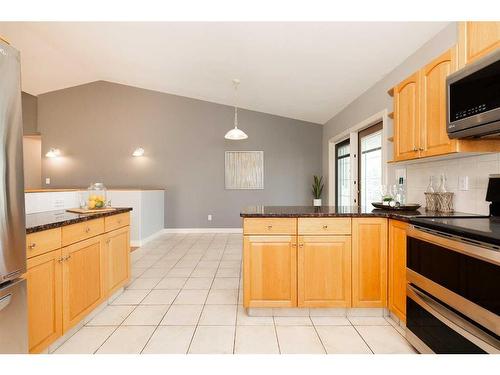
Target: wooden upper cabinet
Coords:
[(117, 258), (44, 291), (397, 268), (407, 118), (324, 271), (269, 271), (83, 284), (477, 39), (369, 262), (434, 137)]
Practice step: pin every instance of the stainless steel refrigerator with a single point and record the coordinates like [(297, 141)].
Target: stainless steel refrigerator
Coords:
[(13, 304)]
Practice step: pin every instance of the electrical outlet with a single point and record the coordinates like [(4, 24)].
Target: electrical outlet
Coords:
[(47, 181), (209, 217), (463, 183), (401, 172)]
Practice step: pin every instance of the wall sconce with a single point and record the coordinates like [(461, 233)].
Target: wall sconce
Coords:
[(53, 153), (138, 152)]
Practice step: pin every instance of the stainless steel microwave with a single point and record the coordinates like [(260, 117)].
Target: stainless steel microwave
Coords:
[(473, 99)]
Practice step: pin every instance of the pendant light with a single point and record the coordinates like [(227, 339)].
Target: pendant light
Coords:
[(236, 134)]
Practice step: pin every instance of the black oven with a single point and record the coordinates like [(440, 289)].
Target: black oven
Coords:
[(453, 294)]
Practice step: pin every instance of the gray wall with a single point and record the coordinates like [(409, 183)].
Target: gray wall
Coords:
[(29, 107), (376, 98), (98, 125)]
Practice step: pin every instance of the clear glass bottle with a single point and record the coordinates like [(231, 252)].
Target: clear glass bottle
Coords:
[(401, 191), (442, 184), (96, 196), (430, 187)]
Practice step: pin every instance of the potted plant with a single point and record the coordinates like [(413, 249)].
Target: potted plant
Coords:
[(317, 190)]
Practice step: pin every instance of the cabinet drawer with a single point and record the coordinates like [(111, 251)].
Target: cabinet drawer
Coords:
[(269, 226), (42, 242), (327, 225), (116, 221), (81, 231)]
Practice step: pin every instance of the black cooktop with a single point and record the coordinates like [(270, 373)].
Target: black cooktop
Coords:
[(484, 229)]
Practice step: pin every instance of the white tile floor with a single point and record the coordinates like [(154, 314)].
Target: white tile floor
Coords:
[(185, 297)]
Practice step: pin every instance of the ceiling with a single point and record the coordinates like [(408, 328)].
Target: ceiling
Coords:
[(306, 71)]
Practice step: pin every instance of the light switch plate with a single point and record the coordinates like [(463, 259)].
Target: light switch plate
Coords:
[(209, 217), (463, 183), (47, 181)]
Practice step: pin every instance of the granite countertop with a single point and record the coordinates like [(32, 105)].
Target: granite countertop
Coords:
[(40, 221), (333, 211)]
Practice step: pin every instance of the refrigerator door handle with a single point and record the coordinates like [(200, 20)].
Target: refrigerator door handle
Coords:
[(4, 301)]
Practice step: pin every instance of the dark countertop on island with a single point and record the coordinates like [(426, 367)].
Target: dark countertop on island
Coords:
[(343, 211), (40, 221)]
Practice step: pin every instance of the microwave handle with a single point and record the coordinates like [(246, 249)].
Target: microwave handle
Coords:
[(455, 322)]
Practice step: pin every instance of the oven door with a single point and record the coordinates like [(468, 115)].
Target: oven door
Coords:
[(452, 297), (433, 327)]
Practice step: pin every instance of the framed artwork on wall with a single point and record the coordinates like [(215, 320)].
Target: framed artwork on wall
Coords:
[(244, 170)]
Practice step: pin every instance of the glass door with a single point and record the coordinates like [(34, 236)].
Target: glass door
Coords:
[(343, 173), (370, 164)]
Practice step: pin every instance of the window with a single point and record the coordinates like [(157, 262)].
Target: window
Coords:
[(370, 164), (343, 173)]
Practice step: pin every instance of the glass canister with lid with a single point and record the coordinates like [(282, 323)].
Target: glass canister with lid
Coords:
[(96, 196)]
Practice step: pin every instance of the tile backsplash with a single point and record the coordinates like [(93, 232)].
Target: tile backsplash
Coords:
[(476, 168)]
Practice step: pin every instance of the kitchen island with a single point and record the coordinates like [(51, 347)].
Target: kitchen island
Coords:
[(326, 257)]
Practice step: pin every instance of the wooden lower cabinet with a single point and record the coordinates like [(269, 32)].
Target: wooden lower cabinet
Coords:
[(83, 279), (397, 268), (66, 284), (269, 271), (324, 271), (44, 290), (369, 262), (117, 258)]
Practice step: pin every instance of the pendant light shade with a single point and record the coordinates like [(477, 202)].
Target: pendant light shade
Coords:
[(236, 134)]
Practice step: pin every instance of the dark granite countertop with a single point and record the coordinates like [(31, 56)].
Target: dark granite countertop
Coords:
[(333, 211), (53, 219), (484, 229)]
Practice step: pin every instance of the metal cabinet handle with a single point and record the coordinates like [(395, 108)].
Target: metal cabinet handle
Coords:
[(4, 301), (325, 226), (301, 245), (269, 227), (294, 245), (60, 260), (32, 245), (87, 230)]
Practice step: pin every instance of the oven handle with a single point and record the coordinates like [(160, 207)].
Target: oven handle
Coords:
[(456, 244), (477, 313), (455, 322)]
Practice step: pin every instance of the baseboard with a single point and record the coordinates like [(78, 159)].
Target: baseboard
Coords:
[(203, 230), (139, 243)]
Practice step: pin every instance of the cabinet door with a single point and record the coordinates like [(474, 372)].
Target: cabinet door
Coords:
[(435, 140), (397, 268), (44, 288), (407, 118), (369, 262), (269, 271), (477, 39), (324, 271), (117, 253), (83, 284)]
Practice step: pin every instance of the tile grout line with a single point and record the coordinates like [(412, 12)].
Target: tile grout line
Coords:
[(276, 334), (121, 324), (362, 338), (319, 336), (206, 298)]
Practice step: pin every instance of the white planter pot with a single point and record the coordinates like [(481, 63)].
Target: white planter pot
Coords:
[(316, 202)]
